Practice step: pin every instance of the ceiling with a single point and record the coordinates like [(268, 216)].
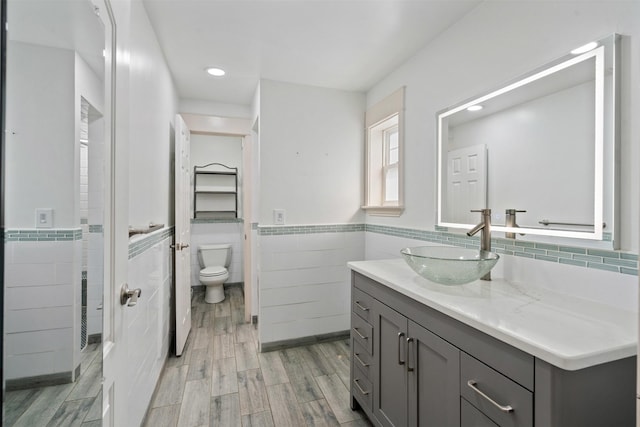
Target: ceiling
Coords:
[(62, 24), (341, 44)]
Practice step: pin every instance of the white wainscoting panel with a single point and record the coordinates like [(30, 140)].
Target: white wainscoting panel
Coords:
[(305, 284)]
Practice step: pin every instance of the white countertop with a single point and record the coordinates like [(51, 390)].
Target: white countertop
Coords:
[(565, 331)]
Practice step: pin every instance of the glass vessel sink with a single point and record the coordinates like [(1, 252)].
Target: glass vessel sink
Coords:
[(449, 265)]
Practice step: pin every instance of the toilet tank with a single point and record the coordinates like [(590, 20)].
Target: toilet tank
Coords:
[(214, 255)]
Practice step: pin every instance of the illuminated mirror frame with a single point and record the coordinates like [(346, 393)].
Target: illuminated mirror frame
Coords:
[(608, 46)]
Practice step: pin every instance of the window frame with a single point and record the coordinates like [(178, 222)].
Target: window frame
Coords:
[(384, 116)]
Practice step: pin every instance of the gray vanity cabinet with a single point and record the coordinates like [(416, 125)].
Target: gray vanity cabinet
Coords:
[(390, 394), (414, 366), (433, 379), (415, 373)]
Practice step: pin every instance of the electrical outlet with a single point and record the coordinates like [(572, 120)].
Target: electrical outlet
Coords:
[(278, 216), (44, 218)]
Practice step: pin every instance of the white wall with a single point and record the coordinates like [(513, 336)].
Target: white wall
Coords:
[(494, 43), (310, 148), (153, 104), (40, 166), (44, 170), (311, 145)]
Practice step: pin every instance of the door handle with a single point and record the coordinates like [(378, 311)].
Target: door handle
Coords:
[(400, 335), (179, 246), (474, 386), (409, 367), (129, 296)]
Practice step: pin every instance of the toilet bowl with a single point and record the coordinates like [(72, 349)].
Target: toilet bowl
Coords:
[(214, 260)]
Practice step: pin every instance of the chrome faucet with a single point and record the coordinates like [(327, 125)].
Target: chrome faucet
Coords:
[(510, 221), (485, 237)]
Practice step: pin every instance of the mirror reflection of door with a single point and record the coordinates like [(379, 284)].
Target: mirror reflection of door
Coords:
[(54, 145), (466, 183)]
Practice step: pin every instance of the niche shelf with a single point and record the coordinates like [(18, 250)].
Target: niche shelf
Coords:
[(215, 191)]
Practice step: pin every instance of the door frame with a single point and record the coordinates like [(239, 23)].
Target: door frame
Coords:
[(242, 128)]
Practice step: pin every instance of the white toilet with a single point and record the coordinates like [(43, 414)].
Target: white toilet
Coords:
[(213, 260)]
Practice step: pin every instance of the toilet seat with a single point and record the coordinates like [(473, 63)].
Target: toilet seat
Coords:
[(213, 271)]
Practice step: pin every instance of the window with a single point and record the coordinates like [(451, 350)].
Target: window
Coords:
[(383, 194), (390, 166)]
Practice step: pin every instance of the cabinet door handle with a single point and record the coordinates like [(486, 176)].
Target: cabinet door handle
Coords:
[(359, 334), (400, 335), (503, 408), (360, 306), (357, 356), (409, 341), (356, 381)]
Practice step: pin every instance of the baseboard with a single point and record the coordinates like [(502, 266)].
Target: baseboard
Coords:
[(296, 342), (41, 380)]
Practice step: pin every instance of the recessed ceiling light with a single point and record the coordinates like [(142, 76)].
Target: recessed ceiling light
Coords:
[(217, 72), (586, 48), (475, 108)]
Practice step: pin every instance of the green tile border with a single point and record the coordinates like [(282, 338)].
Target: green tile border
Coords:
[(281, 230), (43, 235), (96, 228), (149, 240), (601, 259), (609, 260)]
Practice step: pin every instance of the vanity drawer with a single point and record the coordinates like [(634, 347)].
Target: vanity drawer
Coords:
[(362, 332), (362, 358), (471, 417), (480, 385), (361, 304), (362, 389)]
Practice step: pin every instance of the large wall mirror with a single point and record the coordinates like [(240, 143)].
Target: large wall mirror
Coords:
[(540, 151), (57, 139)]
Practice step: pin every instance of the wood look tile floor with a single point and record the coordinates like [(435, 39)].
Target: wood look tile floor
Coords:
[(73, 404), (222, 380)]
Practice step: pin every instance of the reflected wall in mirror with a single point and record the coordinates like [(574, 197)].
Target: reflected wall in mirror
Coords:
[(55, 148), (544, 145)]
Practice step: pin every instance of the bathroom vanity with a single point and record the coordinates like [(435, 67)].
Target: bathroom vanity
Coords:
[(486, 353)]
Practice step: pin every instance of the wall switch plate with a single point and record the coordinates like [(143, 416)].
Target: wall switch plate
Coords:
[(278, 216), (44, 218)]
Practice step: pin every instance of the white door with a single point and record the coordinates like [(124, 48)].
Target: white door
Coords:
[(183, 234), (466, 183), (116, 223)]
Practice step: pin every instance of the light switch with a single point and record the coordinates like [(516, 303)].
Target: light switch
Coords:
[(278, 216), (44, 218)]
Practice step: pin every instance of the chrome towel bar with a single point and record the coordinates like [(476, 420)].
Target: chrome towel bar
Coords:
[(575, 224)]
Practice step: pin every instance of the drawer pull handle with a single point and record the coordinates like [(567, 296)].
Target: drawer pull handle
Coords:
[(409, 367), (472, 384), (359, 334), (360, 306), (356, 381), (400, 335), (356, 355)]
